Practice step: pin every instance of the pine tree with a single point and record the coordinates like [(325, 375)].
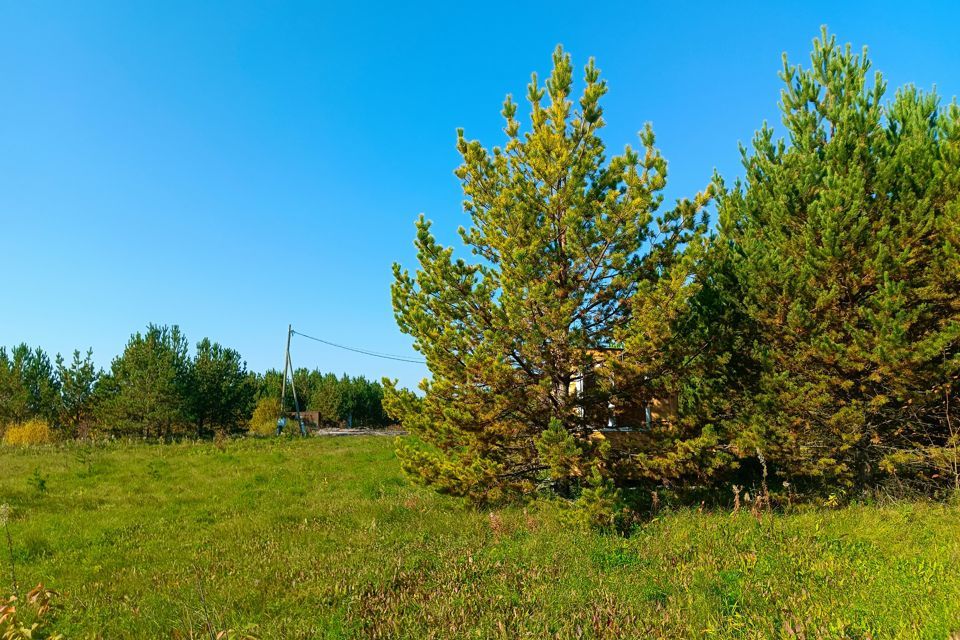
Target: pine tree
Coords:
[(14, 395), (574, 259), (77, 383), (220, 393), (28, 386), (844, 252), (146, 391), (326, 397)]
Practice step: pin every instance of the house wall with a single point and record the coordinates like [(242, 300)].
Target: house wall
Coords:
[(626, 416), (311, 419)]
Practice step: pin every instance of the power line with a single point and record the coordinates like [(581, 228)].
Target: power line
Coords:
[(385, 356)]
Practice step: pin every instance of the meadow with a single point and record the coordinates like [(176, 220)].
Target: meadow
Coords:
[(324, 538)]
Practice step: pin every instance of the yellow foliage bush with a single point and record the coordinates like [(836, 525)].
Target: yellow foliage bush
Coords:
[(264, 419), (35, 431)]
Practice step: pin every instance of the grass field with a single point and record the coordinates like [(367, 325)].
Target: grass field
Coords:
[(324, 538)]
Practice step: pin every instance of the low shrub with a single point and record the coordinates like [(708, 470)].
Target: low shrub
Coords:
[(35, 431), (264, 419), (28, 619)]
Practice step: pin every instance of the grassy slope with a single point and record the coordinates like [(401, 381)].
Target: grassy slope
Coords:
[(323, 538)]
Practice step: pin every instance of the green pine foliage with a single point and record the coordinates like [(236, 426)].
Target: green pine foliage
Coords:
[(220, 392), (813, 342), (843, 243), (575, 264), (14, 397), (145, 392), (28, 385), (78, 382), (156, 389)]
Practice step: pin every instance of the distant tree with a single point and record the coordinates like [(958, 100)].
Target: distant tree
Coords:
[(269, 383), (844, 244), (327, 397), (372, 412), (361, 402), (304, 379), (574, 257), (14, 396), (77, 382), (41, 382), (221, 396), (28, 386), (339, 400), (146, 392), (351, 402)]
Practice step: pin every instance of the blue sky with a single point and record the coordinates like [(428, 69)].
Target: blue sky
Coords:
[(234, 167)]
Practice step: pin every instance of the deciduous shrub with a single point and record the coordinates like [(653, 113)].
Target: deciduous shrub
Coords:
[(35, 431), (264, 420)]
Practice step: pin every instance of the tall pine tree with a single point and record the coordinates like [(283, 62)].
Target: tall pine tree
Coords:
[(844, 243), (575, 265)]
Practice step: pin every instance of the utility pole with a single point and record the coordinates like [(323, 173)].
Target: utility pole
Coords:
[(288, 366)]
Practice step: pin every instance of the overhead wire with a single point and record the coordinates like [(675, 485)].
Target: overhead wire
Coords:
[(366, 352)]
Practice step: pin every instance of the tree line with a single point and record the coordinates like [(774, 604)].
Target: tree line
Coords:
[(157, 388), (803, 320), (339, 401)]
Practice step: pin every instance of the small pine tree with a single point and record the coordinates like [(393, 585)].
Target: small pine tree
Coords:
[(77, 383)]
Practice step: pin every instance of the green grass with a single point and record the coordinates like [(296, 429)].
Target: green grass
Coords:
[(324, 538)]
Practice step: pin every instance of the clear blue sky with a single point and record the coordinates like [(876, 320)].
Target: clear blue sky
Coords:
[(232, 167)]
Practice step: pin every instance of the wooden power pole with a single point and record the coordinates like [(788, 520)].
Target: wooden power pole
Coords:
[(288, 366)]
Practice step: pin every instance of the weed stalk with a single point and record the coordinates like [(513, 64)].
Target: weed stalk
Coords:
[(5, 521)]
